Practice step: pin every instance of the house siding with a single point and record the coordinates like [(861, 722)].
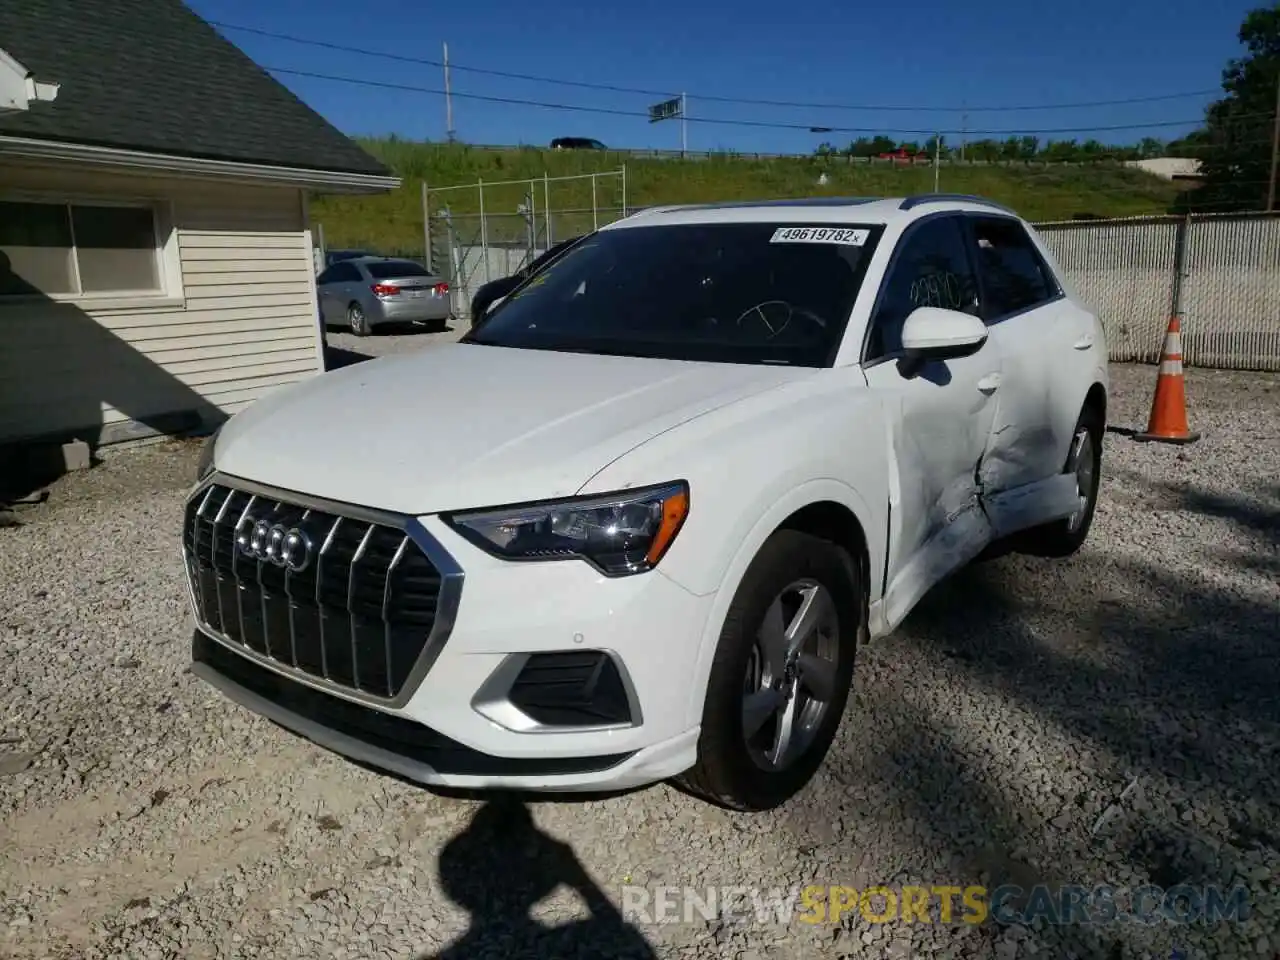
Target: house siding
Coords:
[(245, 323)]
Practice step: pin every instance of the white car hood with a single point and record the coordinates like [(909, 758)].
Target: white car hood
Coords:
[(466, 425)]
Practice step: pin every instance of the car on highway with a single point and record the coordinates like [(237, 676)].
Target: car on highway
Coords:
[(637, 524), (577, 143), (369, 292)]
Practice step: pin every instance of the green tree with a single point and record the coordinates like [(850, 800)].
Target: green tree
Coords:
[(1193, 145), (941, 144), (1236, 155), (1060, 151), (986, 150), (1150, 147)]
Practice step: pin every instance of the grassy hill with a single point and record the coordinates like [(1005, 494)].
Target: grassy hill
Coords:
[(393, 222)]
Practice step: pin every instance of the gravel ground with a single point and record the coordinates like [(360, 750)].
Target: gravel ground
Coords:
[(1109, 719)]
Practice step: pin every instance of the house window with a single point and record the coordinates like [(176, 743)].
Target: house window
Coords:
[(78, 250)]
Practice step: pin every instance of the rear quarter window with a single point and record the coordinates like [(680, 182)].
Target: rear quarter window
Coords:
[(1014, 276)]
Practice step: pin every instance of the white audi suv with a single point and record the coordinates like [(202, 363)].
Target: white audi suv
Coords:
[(637, 523)]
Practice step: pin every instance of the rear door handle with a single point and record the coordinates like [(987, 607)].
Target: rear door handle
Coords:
[(990, 383), (1084, 343)]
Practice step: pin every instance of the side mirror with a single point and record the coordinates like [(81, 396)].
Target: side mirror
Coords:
[(934, 333)]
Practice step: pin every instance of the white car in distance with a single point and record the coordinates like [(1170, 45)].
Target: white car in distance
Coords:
[(636, 524)]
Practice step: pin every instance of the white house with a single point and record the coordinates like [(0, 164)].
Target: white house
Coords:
[(155, 252), (1170, 168)]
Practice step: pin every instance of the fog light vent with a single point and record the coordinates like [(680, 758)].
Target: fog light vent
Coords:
[(571, 689)]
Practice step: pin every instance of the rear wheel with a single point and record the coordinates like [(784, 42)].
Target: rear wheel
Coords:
[(358, 321), (1084, 461), (781, 674)]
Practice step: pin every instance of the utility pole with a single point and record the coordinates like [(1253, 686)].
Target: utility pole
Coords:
[(937, 158), (1275, 150), (448, 98), (684, 125), (964, 131)]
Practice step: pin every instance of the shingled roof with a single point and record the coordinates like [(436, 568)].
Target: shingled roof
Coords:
[(150, 75)]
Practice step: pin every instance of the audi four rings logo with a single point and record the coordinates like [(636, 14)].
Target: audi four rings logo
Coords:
[(274, 543)]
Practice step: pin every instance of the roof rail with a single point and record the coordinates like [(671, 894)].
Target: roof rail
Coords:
[(911, 202), (656, 208)]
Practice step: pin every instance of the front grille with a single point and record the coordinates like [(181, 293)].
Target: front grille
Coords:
[(358, 614)]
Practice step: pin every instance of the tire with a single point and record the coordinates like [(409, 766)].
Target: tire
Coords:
[(1062, 538), (358, 321), (734, 769)]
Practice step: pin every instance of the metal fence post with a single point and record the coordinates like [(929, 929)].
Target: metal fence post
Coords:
[(546, 204), (320, 237), (531, 226), (624, 190), (426, 229), (533, 221), (1179, 264), (484, 235), (595, 216)]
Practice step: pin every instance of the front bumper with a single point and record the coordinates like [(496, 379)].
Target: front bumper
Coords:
[(451, 726)]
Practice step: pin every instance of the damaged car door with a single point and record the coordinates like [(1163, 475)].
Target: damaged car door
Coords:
[(1046, 345), (938, 378)]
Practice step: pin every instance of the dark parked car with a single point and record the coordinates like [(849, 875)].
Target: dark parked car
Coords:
[(495, 290), (335, 256), (576, 143)]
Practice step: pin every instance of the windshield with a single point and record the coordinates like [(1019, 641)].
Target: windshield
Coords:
[(722, 292)]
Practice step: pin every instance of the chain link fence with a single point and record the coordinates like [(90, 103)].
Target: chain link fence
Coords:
[(1221, 273), (483, 231)]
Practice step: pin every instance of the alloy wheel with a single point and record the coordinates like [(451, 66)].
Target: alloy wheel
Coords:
[(356, 317), (1084, 465), (791, 675)]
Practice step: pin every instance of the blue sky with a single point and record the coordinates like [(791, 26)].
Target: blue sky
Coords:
[(925, 53)]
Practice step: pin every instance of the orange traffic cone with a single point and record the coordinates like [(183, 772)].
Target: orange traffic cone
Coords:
[(1168, 423)]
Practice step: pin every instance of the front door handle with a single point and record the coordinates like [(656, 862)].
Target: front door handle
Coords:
[(1084, 343), (990, 383)]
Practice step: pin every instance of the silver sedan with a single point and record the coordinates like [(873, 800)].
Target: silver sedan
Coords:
[(366, 292)]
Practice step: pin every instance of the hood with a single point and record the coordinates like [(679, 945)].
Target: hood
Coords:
[(466, 425)]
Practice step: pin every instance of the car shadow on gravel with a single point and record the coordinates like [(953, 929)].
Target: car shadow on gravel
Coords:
[(500, 867)]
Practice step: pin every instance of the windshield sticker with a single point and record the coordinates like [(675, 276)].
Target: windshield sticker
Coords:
[(841, 235)]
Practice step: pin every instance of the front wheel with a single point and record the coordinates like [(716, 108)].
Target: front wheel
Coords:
[(781, 674)]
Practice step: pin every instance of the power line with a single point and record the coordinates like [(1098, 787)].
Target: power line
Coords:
[(749, 101), (721, 121)]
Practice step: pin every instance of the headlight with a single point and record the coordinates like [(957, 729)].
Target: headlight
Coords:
[(618, 534), (204, 466)]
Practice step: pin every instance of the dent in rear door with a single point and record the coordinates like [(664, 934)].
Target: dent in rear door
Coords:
[(1035, 328)]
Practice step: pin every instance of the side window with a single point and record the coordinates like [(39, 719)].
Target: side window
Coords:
[(326, 276), (931, 270), (1014, 278)]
